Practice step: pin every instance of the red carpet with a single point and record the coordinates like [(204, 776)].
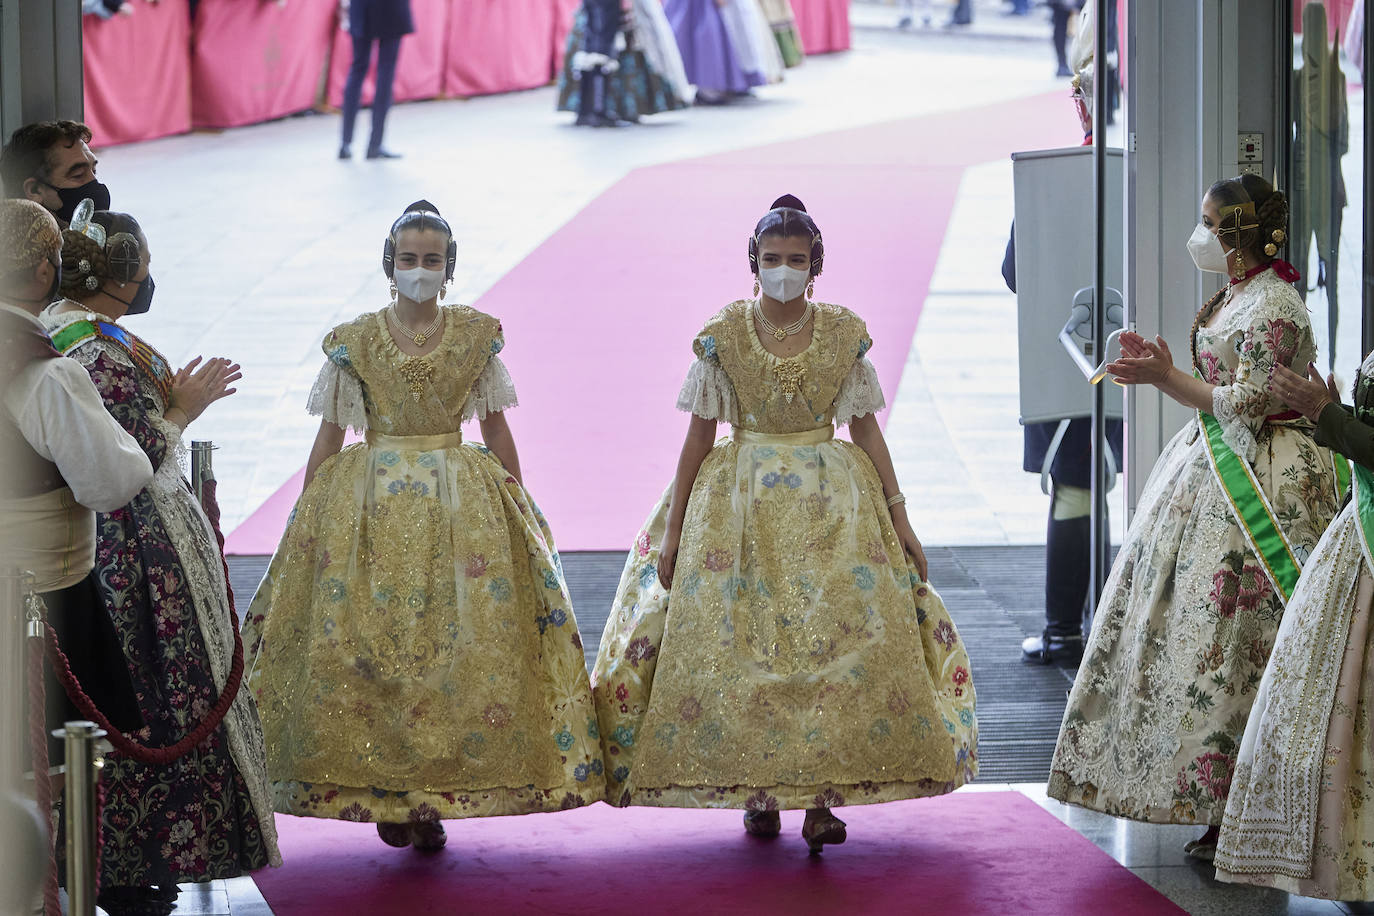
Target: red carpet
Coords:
[(599, 319), (974, 853)]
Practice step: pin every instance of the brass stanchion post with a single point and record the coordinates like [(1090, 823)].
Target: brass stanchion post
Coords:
[(81, 815)]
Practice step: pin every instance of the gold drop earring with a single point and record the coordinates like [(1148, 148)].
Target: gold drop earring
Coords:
[(1239, 272), (811, 289), (443, 290), (393, 291), (756, 287)]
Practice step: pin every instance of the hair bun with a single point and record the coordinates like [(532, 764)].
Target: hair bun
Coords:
[(423, 206), (787, 200)]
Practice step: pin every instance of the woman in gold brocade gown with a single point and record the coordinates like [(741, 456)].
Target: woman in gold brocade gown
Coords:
[(803, 661), (417, 655)]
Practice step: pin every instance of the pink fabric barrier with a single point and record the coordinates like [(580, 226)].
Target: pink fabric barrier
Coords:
[(420, 66), (255, 61), (563, 12), (823, 25), (137, 81), (498, 46)]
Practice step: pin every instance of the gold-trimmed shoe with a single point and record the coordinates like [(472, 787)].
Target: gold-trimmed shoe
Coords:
[(765, 824), (394, 834), (428, 836), (821, 829)]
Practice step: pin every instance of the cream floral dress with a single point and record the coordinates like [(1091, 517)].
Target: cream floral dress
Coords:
[(1297, 818), (416, 652), (798, 661), (1188, 616)]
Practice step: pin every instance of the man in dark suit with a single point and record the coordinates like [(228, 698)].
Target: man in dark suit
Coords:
[(383, 22)]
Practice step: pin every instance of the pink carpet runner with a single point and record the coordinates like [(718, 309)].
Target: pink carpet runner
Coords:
[(599, 319), (970, 853)]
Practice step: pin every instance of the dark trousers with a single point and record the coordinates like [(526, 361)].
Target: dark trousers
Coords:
[(963, 13), (1060, 15), (387, 52), (1068, 552), (603, 23), (88, 638)]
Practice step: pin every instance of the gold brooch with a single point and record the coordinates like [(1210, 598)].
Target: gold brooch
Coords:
[(789, 375), (417, 372)]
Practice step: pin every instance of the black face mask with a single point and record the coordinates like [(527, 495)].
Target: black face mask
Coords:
[(142, 300), (56, 283), (93, 189)]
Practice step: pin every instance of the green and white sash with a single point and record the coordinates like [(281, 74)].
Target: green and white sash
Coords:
[(1364, 511), (1251, 509)]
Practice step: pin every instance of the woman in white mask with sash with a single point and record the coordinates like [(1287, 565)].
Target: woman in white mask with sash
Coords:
[(773, 642), (417, 658), (1299, 817), (1230, 512)]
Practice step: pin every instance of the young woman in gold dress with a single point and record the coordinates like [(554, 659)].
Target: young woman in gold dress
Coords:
[(803, 661), (417, 655)]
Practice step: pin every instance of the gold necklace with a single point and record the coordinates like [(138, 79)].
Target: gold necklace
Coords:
[(783, 333), (418, 336)]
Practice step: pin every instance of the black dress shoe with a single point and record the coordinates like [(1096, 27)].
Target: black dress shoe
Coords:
[(380, 153), (138, 901), (1052, 650), (345, 152)]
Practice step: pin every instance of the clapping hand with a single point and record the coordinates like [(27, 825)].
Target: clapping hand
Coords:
[(1142, 362), (1307, 395), (194, 389)]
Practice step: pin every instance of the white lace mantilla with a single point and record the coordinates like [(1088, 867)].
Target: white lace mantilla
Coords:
[(492, 392), (860, 394), (708, 393), (337, 397)]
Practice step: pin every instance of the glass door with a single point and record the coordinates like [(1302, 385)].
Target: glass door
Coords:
[(1326, 179)]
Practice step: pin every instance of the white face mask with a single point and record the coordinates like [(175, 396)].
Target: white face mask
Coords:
[(419, 284), (1207, 252), (783, 283)]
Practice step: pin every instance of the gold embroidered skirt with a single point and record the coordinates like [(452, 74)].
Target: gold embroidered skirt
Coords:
[(798, 660), (416, 651)]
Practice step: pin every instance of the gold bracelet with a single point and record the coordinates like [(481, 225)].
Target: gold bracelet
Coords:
[(896, 500)]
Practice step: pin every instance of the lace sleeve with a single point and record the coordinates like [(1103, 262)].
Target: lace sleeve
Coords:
[(860, 393), (708, 392), (493, 391), (337, 397), (1278, 332)]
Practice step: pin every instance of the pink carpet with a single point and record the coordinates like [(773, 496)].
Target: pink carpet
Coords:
[(599, 319), (969, 853)]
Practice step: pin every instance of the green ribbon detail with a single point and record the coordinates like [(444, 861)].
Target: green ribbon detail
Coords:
[(73, 334), (1364, 505), (1342, 468), (1251, 510)]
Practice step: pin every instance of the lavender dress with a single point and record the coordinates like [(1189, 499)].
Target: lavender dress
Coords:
[(713, 65)]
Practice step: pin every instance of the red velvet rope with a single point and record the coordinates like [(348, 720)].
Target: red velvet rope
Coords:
[(52, 905), (123, 743)]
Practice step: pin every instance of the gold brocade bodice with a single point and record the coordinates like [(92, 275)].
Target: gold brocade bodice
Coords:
[(784, 395), (415, 396)]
